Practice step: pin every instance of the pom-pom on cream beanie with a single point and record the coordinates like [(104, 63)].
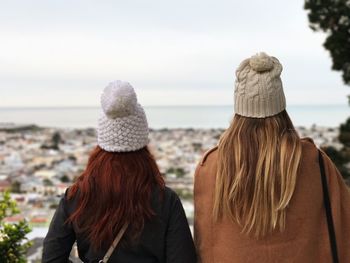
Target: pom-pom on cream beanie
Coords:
[(122, 126), (258, 88)]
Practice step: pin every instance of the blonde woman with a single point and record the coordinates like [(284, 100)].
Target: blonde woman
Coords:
[(259, 195)]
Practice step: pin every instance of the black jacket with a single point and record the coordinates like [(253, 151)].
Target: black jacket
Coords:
[(166, 239)]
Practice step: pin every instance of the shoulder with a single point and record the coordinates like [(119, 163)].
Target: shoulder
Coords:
[(164, 198), (70, 199), (171, 203), (170, 195), (210, 153), (309, 149), (307, 142), (206, 169)]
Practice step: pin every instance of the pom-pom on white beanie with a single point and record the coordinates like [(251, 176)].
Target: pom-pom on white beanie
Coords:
[(258, 87), (122, 126)]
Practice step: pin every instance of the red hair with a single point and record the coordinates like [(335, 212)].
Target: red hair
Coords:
[(114, 188)]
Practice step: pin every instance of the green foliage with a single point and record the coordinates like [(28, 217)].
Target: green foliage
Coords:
[(47, 182), (184, 194), (12, 247), (56, 140), (53, 206), (16, 187), (65, 179), (179, 172), (344, 136), (333, 17), (341, 158), (197, 146)]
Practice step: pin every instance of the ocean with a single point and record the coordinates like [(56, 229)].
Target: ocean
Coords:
[(170, 116)]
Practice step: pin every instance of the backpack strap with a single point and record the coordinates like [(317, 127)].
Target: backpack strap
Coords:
[(327, 205)]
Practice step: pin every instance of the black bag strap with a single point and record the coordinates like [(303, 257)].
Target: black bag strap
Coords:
[(327, 205)]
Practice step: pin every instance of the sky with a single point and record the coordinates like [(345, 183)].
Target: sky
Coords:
[(63, 53)]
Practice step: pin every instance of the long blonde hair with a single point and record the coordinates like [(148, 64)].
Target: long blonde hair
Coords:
[(258, 161)]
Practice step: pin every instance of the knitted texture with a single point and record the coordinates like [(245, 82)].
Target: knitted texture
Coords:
[(122, 126), (258, 87)]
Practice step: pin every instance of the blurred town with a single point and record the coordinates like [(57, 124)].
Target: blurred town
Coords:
[(38, 164)]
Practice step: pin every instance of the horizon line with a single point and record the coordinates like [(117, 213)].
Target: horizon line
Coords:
[(158, 106)]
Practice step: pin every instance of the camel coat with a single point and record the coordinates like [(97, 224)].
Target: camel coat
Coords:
[(305, 239)]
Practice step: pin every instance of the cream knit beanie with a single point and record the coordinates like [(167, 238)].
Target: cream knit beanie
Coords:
[(258, 87), (122, 126)]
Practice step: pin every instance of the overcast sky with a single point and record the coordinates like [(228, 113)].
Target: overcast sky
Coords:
[(183, 52)]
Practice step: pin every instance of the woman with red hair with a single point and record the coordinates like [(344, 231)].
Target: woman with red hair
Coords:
[(119, 209)]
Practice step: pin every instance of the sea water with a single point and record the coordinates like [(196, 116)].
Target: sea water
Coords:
[(170, 116)]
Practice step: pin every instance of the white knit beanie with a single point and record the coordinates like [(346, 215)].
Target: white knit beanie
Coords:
[(258, 88), (122, 126)]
